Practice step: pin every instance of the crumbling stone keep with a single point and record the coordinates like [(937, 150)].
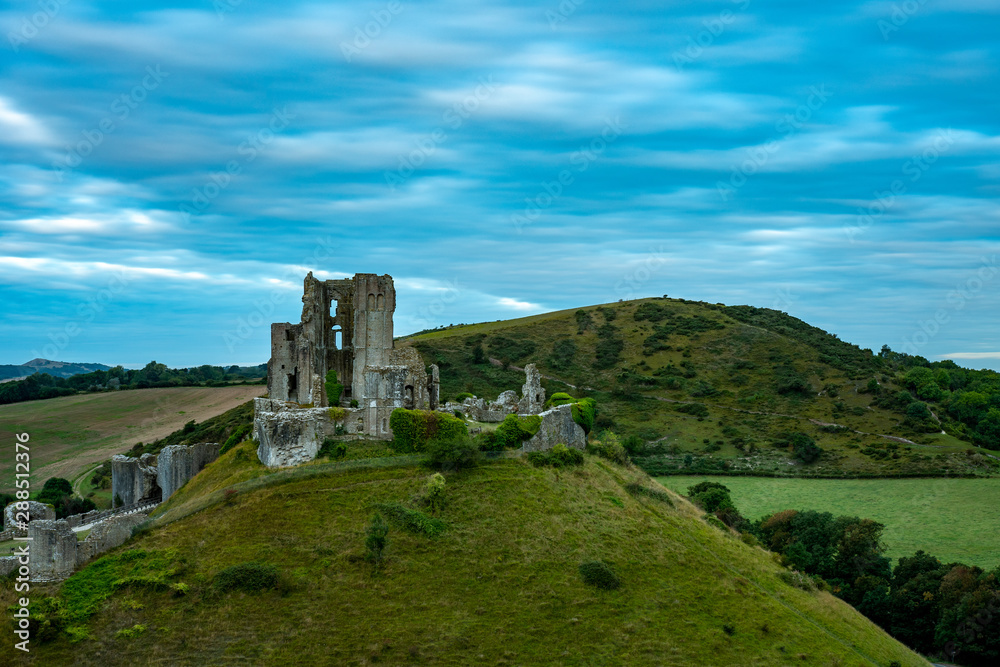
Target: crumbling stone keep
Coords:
[(176, 464), (347, 328)]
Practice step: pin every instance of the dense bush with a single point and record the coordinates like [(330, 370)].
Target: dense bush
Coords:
[(514, 430), (58, 492), (464, 395), (559, 456), (559, 398), (511, 349), (610, 447), (413, 429), (710, 496), (599, 574), (332, 449), (376, 541), (696, 409), (563, 352), (411, 520), (487, 441), (609, 346), (803, 447), (584, 413), (455, 452), (247, 577), (919, 418), (788, 381)]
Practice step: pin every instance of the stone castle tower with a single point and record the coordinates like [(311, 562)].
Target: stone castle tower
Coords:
[(346, 327)]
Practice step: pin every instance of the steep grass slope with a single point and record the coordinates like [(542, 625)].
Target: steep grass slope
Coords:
[(709, 388), (498, 586)]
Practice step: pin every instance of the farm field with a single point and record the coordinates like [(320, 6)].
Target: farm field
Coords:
[(952, 519), (72, 434)]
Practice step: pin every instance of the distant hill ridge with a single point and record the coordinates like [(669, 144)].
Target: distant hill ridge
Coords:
[(63, 369)]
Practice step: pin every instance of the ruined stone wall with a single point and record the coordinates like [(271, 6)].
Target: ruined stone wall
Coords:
[(107, 535), (176, 464), (557, 427), (8, 564), (133, 480), (434, 388), (36, 512), (53, 550), (532, 395), (288, 436)]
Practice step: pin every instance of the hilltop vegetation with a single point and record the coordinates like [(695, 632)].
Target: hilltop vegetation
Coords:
[(512, 564), (696, 387)]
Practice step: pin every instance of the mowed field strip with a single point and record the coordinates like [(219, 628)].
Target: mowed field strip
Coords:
[(71, 434), (952, 519)]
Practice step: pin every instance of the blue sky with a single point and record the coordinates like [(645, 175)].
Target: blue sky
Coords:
[(169, 173)]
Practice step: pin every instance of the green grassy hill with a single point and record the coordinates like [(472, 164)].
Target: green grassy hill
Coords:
[(712, 388), (496, 584)]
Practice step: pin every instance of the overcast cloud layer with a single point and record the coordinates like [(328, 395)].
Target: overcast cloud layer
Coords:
[(169, 174)]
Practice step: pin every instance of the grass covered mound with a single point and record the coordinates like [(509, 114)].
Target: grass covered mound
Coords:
[(506, 582)]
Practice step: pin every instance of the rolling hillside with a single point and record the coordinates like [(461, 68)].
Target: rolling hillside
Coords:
[(709, 388), (493, 578), (72, 434)]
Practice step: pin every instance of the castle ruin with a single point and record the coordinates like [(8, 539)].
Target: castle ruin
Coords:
[(346, 328), (346, 334)]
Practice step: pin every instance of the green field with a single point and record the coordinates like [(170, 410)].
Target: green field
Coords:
[(952, 519)]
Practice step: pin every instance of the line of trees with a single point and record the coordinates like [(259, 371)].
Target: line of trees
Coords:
[(948, 609), (969, 399), (43, 385)]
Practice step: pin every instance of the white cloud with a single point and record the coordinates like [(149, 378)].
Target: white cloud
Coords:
[(514, 304), (19, 127), (970, 355)]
